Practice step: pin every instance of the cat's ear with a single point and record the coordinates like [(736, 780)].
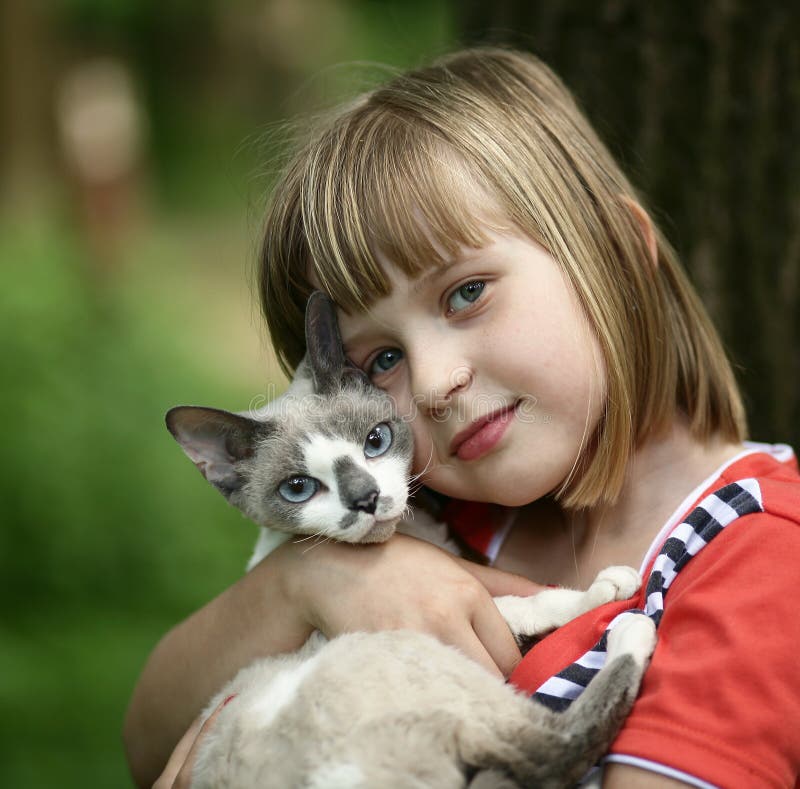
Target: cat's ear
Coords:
[(215, 441), (323, 342)]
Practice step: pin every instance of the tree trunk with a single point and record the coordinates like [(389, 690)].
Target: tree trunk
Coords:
[(25, 122)]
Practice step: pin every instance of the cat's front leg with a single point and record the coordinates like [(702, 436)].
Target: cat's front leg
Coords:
[(551, 608)]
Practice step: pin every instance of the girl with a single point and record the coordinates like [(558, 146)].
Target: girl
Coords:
[(498, 276)]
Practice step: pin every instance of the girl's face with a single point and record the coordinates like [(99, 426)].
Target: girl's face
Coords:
[(495, 364)]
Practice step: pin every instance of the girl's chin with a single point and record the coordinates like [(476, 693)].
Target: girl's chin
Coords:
[(498, 478), (516, 497)]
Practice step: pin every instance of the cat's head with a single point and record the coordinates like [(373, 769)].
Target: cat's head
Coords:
[(330, 457)]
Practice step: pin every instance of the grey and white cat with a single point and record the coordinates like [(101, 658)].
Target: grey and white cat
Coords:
[(331, 457)]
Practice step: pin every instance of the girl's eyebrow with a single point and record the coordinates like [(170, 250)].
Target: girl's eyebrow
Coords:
[(356, 339), (364, 335), (439, 271), (426, 279)]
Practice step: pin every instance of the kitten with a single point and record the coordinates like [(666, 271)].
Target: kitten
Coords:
[(331, 458)]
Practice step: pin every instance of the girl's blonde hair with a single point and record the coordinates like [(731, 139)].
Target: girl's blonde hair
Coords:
[(491, 135)]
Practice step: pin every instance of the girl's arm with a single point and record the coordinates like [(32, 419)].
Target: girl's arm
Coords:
[(623, 776), (192, 661), (334, 587)]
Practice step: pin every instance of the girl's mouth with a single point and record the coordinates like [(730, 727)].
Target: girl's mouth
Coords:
[(483, 434)]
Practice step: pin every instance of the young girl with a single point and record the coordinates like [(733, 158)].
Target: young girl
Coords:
[(499, 277)]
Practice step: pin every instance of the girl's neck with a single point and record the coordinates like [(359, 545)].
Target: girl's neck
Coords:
[(571, 547), (660, 475)]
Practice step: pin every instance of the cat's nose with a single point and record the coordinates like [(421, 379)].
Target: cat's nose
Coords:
[(367, 503)]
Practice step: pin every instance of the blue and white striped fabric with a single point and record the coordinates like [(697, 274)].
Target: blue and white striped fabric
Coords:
[(716, 511)]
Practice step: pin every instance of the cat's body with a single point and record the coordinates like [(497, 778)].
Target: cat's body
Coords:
[(396, 709), (399, 709)]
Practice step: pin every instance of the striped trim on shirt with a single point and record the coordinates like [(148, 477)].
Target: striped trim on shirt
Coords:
[(716, 511)]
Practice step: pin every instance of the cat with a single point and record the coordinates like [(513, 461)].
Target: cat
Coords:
[(331, 459)]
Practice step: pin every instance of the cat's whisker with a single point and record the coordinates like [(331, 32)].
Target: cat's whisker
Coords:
[(415, 477), (414, 484), (413, 489), (310, 537), (327, 538)]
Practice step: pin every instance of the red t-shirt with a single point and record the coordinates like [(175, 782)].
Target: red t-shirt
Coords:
[(720, 701)]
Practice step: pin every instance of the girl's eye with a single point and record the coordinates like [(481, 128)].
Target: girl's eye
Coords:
[(378, 440), (298, 489), (462, 297), (385, 360)]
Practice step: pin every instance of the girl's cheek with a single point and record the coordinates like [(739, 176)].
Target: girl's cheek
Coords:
[(422, 449), (408, 410)]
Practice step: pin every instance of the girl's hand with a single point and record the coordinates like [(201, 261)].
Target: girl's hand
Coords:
[(404, 583), (178, 771), (273, 608)]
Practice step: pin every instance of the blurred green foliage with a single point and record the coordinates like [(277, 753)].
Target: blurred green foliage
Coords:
[(87, 382), (109, 535)]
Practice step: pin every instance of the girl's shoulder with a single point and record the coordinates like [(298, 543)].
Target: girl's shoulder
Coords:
[(743, 525), (774, 462), (762, 478), (773, 468)]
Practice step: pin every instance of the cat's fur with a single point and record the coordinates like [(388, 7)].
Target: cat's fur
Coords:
[(395, 709)]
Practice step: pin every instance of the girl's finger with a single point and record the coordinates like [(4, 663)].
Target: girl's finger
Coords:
[(500, 582), (184, 778), (178, 772), (178, 756), (470, 645), (493, 632)]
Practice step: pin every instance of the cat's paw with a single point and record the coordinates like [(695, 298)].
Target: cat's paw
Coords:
[(518, 613), (635, 635), (614, 583)]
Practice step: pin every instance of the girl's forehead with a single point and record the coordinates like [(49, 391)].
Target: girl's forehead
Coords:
[(384, 310)]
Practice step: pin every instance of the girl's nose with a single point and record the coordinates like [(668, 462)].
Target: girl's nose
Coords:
[(435, 382)]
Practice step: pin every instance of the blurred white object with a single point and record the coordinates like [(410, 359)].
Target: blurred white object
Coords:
[(100, 121)]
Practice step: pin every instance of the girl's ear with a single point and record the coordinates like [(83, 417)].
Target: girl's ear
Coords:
[(645, 226)]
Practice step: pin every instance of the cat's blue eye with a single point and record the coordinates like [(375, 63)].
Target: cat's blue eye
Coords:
[(385, 360), (298, 489), (467, 294), (378, 440)]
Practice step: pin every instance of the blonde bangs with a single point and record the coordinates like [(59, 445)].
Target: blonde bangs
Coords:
[(380, 186)]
